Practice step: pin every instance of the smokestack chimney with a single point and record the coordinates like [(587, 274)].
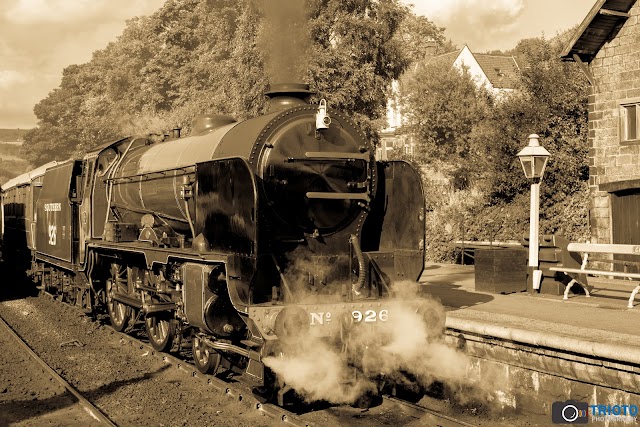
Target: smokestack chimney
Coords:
[(287, 95)]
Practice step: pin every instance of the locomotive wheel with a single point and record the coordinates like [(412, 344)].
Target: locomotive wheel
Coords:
[(161, 330), (45, 281), (69, 294), (206, 359), (119, 314), (82, 299)]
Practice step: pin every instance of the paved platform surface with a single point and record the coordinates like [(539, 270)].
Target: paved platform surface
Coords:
[(600, 326)]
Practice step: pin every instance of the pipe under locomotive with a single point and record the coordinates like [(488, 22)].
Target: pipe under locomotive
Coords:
[(245, 235)]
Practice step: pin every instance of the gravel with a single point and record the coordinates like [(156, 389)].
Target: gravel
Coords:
[(132, 388)]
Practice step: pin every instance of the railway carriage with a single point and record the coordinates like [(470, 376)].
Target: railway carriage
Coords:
[(244, 236), (19, 197)]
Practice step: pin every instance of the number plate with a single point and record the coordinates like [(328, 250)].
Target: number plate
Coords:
[(369, 316)]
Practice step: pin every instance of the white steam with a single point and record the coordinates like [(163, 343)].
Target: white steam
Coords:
[(318, 372), (409, 344)]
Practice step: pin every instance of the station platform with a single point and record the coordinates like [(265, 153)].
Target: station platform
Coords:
[(583, 348)]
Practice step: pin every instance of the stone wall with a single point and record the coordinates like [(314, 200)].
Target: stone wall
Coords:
[(616, 71), (526, 380)]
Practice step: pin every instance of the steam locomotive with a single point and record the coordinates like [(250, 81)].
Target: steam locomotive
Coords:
[(244, 236)]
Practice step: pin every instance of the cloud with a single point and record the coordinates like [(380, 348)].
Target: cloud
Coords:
[(11, 77), (499, 24), (39, 11), (39, 38), (480, 24), (477, 10), (477, 23), (65, 11)]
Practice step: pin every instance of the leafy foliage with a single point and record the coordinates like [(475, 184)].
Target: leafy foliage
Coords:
[(475, 141), (11, 165), (442, 109), (552, 102), (198, 56), (354, 55), (416, 34)]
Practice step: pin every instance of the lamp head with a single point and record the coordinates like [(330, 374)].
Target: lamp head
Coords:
[(533, 158)]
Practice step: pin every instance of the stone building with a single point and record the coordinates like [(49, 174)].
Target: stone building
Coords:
[(607, 47)]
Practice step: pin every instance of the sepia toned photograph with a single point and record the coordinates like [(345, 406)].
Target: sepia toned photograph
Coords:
[(319, 213)]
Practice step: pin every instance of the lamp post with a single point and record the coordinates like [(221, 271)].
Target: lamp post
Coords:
[(534, 158)]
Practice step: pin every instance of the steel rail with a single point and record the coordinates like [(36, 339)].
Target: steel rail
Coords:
[(273, 411), (221, 386), (421, 410), (89, 407)]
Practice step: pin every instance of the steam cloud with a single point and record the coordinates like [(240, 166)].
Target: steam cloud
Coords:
[(406, 348), (285, 39)]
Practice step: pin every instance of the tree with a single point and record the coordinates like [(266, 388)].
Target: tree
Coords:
[(552, 102), (199, 56), (417, 36), (443, 106), (464, 134), (354, 55)]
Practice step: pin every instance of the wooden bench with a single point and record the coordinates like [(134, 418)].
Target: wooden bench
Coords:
[(583, 271)]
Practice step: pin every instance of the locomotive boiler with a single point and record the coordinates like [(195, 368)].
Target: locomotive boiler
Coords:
[(244, 236)]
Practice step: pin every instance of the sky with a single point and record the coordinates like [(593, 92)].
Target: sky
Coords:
[(39, 38)]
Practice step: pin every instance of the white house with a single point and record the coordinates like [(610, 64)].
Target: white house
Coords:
[(497, 73)]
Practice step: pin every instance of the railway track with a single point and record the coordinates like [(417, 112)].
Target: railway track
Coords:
[(431, 417), (82, 402), (423, 413), (398, 411), (218, 384)]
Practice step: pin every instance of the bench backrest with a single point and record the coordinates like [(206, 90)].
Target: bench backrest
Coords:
[(608, 248)]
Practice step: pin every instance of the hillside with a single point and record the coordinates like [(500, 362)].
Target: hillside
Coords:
[(12, 135), (12, 162)]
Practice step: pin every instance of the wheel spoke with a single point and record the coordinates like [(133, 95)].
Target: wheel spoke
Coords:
[(206, 359), (118, 283), (161, 331)]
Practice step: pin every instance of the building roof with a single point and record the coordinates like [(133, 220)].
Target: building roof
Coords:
[(27, 177), (601, 24), (446, 57), (501, 70)]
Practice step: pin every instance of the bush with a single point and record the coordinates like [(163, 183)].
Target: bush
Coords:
[(465, 216)]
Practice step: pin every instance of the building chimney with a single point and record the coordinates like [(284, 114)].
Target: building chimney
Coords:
[(431, 48)]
